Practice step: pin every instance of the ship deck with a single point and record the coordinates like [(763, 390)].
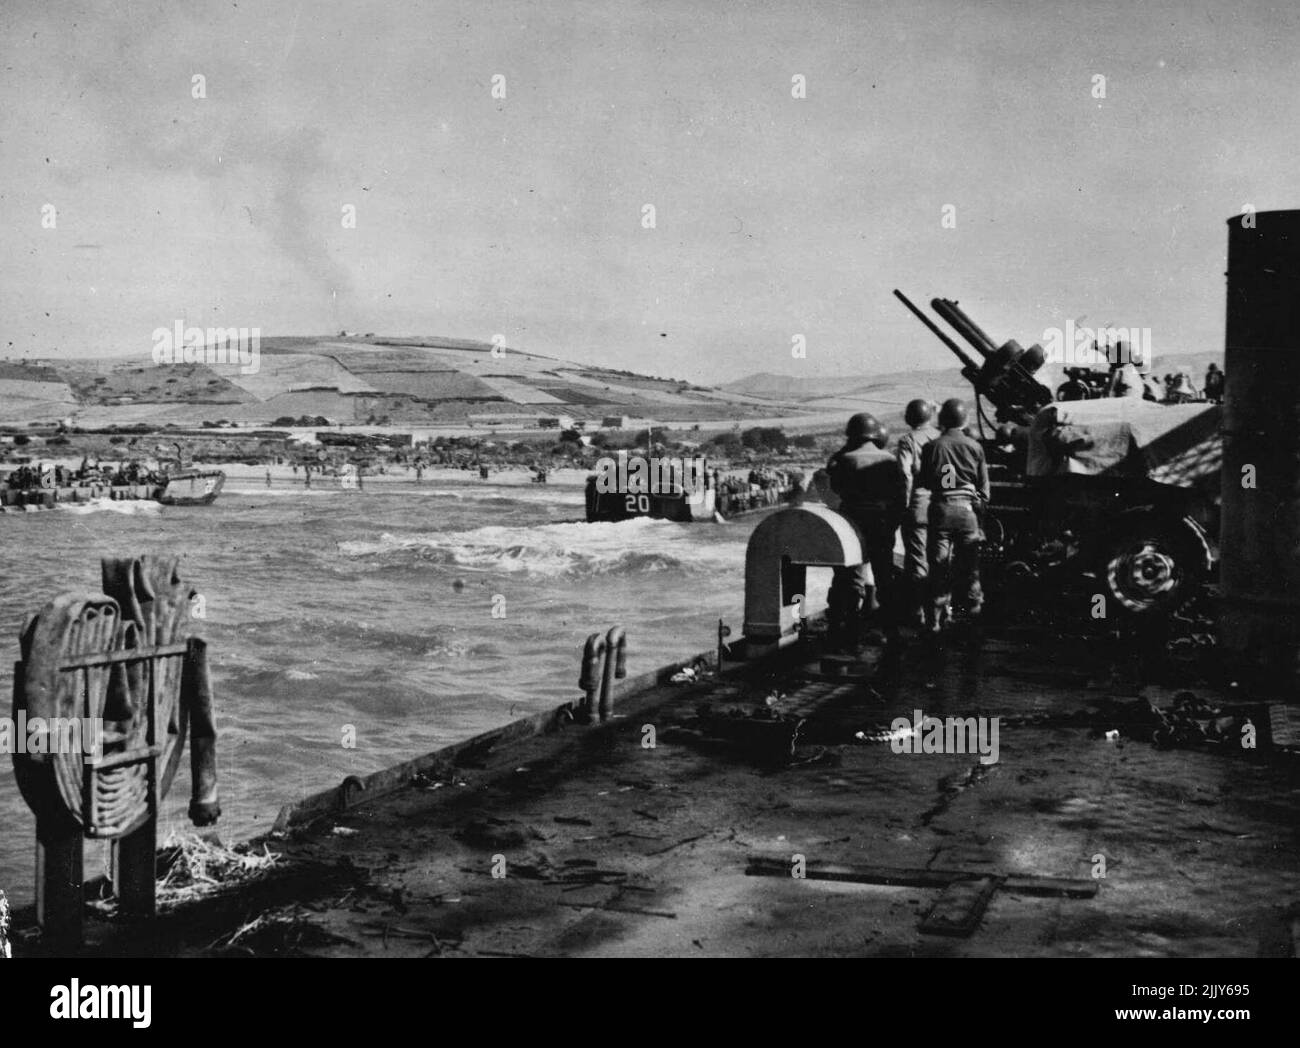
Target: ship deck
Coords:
[(585, 840)]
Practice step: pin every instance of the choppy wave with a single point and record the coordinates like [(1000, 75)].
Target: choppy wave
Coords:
[(504, 496), (556, 496), (126, 507), (253, 489), (633, 546), (326, 607)]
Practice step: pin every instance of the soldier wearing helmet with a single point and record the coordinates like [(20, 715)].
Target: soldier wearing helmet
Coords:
[(1214, 384), (954, 471), (1126, 382), (919, 416), (873, 494)]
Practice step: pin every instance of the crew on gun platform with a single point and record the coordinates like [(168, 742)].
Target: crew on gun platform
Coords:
[(873, 495), (919, 416), (954, 470), (1214, 384)]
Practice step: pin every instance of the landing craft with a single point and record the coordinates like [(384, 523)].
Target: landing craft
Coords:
[(683, 490), (172, 484), (659, 488)]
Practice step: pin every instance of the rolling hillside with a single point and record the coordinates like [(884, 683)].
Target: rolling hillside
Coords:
[(432, 381), (354, 380)]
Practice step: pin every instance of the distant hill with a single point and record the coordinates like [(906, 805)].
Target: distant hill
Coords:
[(894, 388), (433, 380), (801, 387), (883, 394), (357, 380)]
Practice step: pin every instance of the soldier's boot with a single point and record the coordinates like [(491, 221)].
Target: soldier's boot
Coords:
[(837, 633), (939, 615), (932, 616), (843, 629), (914, 603), (867, 612)]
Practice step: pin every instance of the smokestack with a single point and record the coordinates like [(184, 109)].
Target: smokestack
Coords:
[(1260, 565)]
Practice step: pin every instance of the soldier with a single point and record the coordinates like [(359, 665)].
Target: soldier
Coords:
[(873, 494), (916, 566), (954, 471), (1126, 381), (1214, 384), (1183, 391), (1074, 388)]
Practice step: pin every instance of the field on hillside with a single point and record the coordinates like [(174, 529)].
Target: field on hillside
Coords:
[(354, 380), (432, 381)]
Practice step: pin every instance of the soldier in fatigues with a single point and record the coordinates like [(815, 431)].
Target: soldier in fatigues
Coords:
[(916, 563), (873, 494), (955, 472), (1214, 384)]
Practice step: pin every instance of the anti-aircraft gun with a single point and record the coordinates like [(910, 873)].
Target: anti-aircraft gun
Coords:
[(1138, 524), (1005, 377)]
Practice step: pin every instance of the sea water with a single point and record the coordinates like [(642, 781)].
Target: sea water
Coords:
[(412, 615)]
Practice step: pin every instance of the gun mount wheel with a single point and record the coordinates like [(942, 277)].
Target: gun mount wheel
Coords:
[(1154, 565)]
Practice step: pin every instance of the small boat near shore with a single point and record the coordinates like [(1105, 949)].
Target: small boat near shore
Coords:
[(692, 496), (190, 486)]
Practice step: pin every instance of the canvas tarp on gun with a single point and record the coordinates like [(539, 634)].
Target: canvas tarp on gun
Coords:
[(1178, 445)]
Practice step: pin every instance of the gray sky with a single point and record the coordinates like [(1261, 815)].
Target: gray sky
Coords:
[(774, 216)]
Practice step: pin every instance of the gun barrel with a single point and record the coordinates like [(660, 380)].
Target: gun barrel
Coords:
[(957, 350), (964, 326)]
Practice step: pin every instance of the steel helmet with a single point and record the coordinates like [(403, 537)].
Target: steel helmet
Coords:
[(1126, 382), (866, 428), (918, 413), (953, 414)]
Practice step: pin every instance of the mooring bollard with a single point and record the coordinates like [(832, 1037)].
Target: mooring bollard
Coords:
[(603, 660), (615, 652), (590, 679), (116, 667)]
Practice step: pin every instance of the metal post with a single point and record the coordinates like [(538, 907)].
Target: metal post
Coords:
[(133, 856), (59, 879), (1260, 567), (134, 873)]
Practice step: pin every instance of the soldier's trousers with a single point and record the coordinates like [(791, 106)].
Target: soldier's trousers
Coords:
[(954, 551), (913, 586), (849, 599)]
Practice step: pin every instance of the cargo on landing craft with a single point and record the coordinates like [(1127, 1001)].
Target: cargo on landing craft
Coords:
[(44, 486)]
